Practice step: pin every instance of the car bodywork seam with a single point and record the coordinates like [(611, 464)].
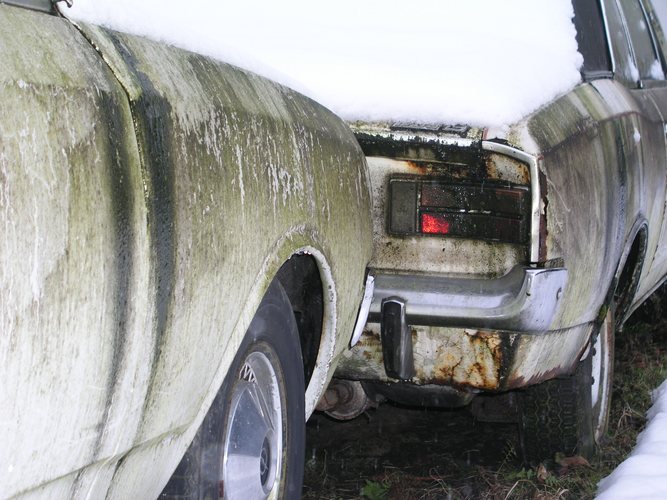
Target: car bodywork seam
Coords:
[(605, 24), (639, 234), (164, 253)]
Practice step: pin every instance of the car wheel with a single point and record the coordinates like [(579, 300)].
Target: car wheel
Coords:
[(569, 415), (251, 442)]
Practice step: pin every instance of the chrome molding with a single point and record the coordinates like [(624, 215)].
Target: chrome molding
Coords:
[(605, 22), (363, 310), (40, 5), (536, 194), (524, 300)]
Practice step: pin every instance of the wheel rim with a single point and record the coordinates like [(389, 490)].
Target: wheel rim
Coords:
[(253, 446), (601, 369)]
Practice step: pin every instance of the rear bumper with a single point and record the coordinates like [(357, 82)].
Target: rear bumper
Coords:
[(524, 300)]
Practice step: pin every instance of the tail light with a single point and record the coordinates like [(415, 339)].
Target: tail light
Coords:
[(486, 211)]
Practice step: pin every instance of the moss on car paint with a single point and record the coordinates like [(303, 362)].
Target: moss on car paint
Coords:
[(148, 197)]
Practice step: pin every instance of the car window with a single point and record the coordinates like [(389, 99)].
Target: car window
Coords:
[(660, 9), (625, 69), (648, 64), (657, 11), (591, 39)]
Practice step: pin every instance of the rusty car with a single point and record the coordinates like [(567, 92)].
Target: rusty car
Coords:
[(506, 258), (176, 275)]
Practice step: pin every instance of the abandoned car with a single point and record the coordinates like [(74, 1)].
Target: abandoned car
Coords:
[(505, 259), (175, 265)]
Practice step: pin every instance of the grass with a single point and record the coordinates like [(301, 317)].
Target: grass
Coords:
[(428, 468)]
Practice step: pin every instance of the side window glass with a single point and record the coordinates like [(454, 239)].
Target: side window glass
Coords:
[(658, 16), (591, 39), (624, 65), (660, 9), (648, 63)]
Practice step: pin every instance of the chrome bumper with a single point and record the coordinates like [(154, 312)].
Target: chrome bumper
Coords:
[(524, 300)]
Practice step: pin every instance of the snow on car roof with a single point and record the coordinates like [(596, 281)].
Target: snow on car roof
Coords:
[(480, 62)]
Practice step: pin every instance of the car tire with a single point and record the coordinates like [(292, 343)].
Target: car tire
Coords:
[(569, 415), (251, 443)]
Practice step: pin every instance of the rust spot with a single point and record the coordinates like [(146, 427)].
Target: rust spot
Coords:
[(502, 168), (450, 170), (369, 338), (470, 361), (419, 168)]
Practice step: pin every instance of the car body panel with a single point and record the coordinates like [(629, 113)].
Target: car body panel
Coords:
[(149, 197)]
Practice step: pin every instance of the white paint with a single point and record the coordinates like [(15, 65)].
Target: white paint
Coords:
[(322, 371), (481, 62), (239, 160)]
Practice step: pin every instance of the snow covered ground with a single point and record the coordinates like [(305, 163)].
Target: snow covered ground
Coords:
[(643, 474), (441, 61)]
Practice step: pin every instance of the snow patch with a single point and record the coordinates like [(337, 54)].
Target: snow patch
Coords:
[(480, 62), (642, 474), (656, 71)]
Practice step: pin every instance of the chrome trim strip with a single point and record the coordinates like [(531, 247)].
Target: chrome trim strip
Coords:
[(628, 40), (610, 49), (421, 136), (524, 300), (363, 310), (39, 5), (536, 195)]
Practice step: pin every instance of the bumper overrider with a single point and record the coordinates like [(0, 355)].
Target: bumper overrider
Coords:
[(489, 334)]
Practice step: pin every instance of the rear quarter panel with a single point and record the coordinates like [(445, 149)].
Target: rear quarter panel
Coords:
[(601, 150), (145, 221)]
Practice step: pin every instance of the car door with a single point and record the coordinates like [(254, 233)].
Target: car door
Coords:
[(638, 66), (656, 16)]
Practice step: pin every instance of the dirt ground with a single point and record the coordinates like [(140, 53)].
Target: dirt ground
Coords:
[(395, 452), (434, 451)]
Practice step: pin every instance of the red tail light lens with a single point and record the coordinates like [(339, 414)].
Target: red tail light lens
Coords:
[(435, 224), (477, 211)]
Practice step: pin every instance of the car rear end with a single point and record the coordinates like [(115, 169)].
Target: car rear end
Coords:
[(464, 298)]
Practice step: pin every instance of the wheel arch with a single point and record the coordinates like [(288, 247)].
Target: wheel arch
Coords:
[(324, 334), (626, 280), (307, 279), (302, 267)]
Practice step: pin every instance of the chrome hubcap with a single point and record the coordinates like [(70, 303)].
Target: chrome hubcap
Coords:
[(601, 373), (251, 464)]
